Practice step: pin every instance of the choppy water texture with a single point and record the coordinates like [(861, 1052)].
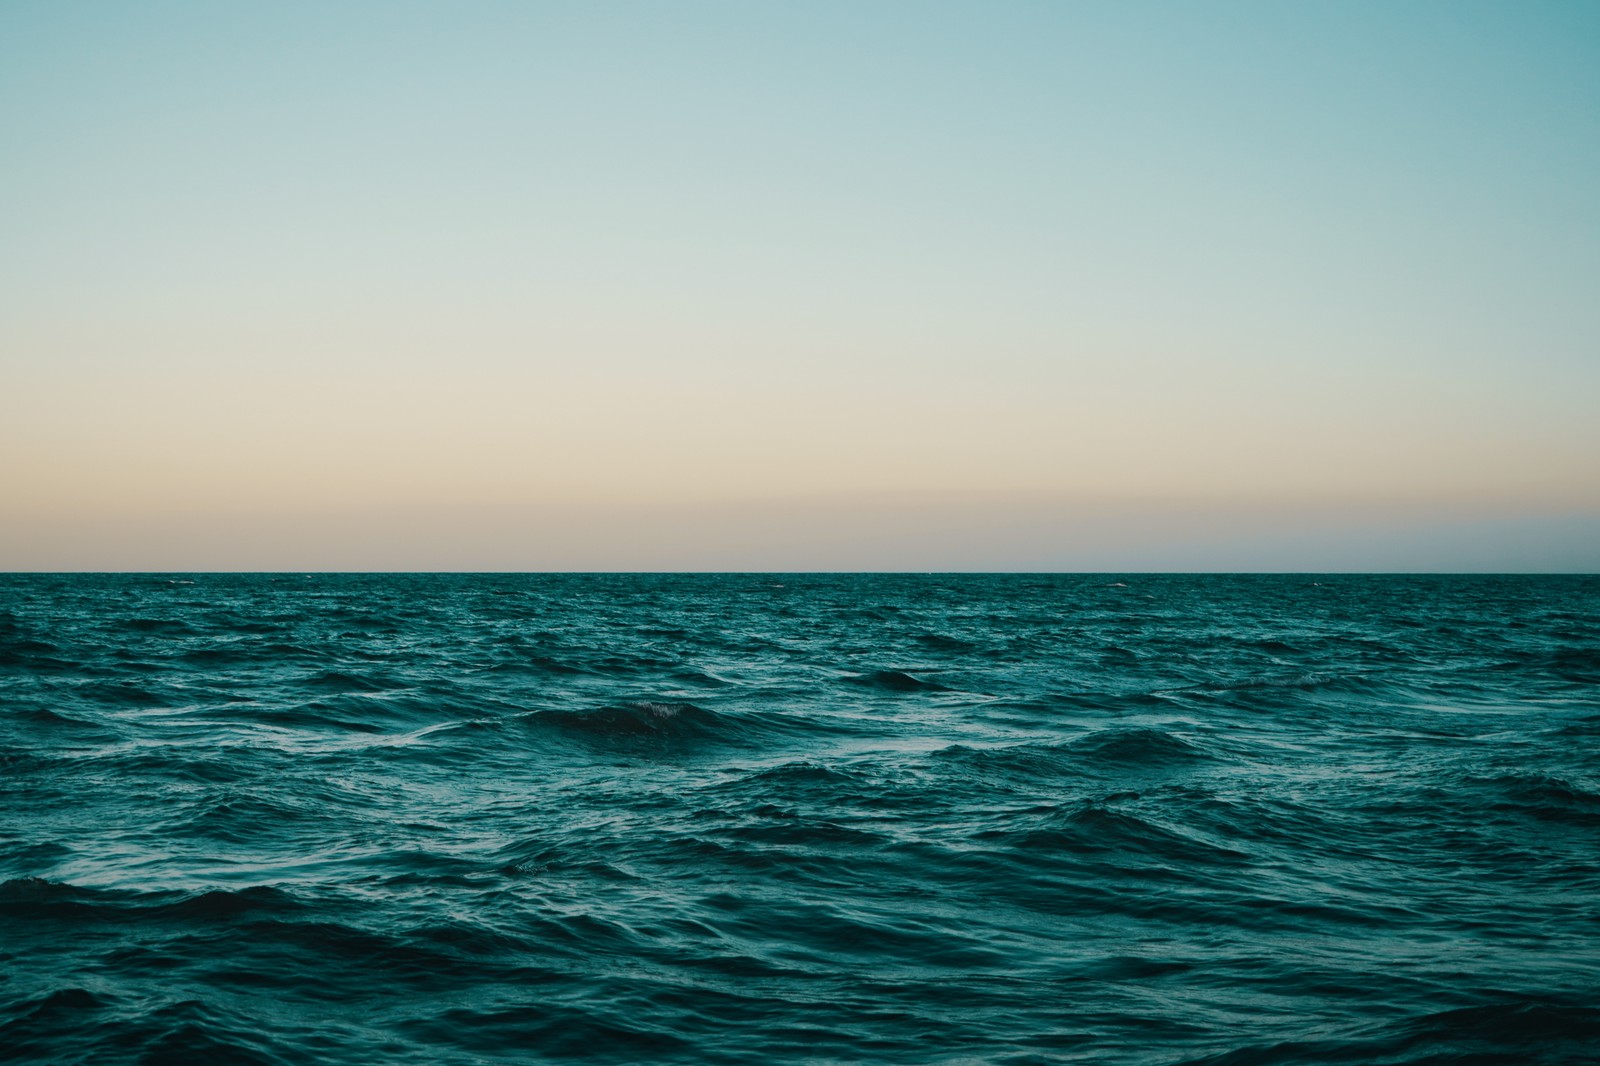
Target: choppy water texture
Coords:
[(744, 818)]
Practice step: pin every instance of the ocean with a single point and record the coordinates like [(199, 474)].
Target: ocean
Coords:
[(858, 818)]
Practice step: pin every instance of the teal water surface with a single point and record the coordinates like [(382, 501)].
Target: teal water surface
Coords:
[(813, 818)]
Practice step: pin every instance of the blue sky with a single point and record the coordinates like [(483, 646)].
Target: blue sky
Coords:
[(1059, 286)]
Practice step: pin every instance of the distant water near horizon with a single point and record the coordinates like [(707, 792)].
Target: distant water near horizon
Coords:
[(857, 818)]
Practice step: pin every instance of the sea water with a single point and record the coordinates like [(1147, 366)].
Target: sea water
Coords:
[(319, 818)]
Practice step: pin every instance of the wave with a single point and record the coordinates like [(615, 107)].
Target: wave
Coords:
[(1531, 1031), (1007, 765), (558, 1030), (896, 681), (800, 778), (1545, 798), (1095, 829), (458, 819), (166, 627), (40, 899), (341, 682), (642, 720), (1144, 748), (942, 642), (70, 1022)]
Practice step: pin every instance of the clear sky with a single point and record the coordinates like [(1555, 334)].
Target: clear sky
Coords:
[(817, 285)]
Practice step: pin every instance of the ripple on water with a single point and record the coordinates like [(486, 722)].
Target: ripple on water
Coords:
[(1138, 820)]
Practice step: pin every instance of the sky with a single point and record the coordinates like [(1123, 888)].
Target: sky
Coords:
[(865, 285)]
